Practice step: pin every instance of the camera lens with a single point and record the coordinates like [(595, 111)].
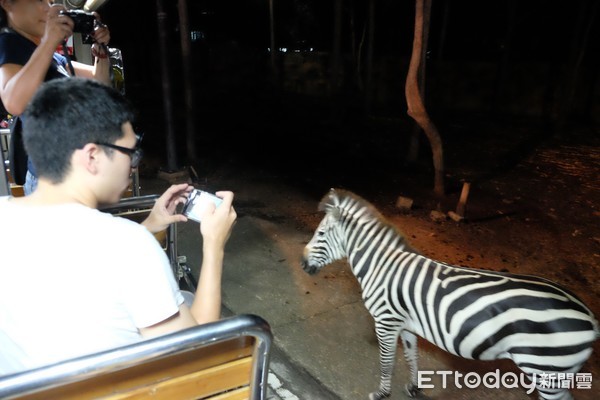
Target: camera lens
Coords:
[(74, 4)]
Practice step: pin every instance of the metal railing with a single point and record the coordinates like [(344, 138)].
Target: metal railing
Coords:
[(82, 368), (4, 184)]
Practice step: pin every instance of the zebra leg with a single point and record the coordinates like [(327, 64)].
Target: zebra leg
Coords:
[(564, 395), (388, 343), (548, 389), (545, 393), (547, 384), (409, 344), (552, 391)]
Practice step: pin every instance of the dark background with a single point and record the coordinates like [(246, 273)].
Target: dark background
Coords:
[(532, 64)]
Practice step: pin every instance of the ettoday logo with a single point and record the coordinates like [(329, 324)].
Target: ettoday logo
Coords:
[(508, 380)]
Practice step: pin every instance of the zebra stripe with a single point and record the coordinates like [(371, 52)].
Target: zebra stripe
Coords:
[(472, 313)]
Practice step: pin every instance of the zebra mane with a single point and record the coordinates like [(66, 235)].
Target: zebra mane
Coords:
[(341, 198), (341, 202)]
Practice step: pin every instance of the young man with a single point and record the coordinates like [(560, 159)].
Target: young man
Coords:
[(74, 280)]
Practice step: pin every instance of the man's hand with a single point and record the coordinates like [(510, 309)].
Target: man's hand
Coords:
[(101, 39), (217, 222), (163, 213)]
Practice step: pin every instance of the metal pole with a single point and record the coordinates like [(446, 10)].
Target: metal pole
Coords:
[(166, 87), (272, 29), (4, 185)]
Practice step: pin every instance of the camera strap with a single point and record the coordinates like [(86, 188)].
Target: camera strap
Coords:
[(65, 50)]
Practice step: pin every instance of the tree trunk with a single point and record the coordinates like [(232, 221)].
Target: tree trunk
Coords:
[(581, 36), (274, 70), (161, 15), (414, 100), (502, 73), (368, 87), (413, 145), (336, 63), (184, 31)]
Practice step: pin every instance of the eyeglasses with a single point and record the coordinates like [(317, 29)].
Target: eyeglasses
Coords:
[(136, 153)]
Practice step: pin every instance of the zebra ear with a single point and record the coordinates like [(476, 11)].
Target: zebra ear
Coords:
[(335, 212), (330, 208), (330, 203), (325, 206)]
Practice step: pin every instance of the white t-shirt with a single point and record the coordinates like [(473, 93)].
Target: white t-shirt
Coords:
[(74, 280)]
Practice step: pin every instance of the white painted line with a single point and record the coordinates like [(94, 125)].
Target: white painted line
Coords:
[(276, 385)]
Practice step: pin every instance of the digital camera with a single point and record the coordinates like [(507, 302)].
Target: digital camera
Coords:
[(83, 22), (197, 202)]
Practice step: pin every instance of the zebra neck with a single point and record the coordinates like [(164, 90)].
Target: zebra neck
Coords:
[(365, 255)]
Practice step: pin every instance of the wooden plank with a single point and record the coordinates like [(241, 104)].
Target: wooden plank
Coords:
[(200, 384), (238, 394), (153, 370), (17, 190)]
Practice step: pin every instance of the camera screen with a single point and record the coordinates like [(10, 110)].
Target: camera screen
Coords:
[(197, 203)]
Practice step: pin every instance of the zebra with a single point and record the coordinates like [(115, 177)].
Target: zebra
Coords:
[(472, 313)]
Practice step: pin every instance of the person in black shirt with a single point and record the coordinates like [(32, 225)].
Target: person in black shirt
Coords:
[(31, 31)]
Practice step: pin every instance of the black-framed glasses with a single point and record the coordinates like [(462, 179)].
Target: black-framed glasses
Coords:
[(136, 153)]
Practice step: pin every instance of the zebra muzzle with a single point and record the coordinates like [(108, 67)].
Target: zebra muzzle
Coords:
[(309, 269)]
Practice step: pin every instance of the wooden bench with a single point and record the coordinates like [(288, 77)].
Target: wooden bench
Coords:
[(223, 360)]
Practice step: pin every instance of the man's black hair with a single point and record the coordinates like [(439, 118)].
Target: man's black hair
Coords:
[(65, 115)]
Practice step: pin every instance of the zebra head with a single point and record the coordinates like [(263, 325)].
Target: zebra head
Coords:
[(326, 245)]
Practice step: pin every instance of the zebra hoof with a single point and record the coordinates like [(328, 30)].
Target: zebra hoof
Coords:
[(378, 396), (412, 391)]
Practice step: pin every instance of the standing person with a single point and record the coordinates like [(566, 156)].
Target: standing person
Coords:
[(31, 31), (94, 281)]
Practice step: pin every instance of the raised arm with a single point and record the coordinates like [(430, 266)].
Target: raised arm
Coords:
[(100, 71), (18, 83), (215, 228)]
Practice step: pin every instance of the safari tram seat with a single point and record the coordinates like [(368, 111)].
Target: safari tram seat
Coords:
[(223, 360)]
